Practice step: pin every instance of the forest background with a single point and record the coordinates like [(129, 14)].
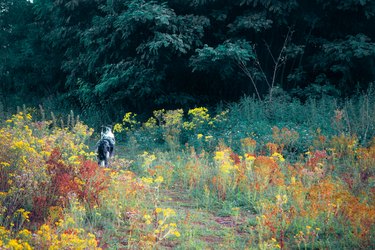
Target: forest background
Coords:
[(103, 58)]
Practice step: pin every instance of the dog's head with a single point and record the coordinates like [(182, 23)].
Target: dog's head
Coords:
[(107, 132)]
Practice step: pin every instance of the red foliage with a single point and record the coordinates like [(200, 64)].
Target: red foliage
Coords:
[(94, 181), (62, 178), (65, 184), (86, 183), (56, 165), (40, 208), (267, 169), (317, 157), (235, 158), (55, 191)]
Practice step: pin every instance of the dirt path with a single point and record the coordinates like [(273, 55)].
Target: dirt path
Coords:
[(202, 228)]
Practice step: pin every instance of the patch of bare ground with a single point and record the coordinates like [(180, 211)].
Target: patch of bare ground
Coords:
[(208, 226)]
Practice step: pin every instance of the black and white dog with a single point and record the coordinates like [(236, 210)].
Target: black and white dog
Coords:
[(105, 146)]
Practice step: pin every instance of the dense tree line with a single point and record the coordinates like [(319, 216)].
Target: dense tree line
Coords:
[(140, 54)]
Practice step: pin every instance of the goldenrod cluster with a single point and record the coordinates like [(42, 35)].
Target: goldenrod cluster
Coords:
[(129, 122), (226, 164), (26, 148)]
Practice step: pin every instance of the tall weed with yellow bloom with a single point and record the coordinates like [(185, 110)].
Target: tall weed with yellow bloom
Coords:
[(47, 237), (25, 150), (199, 118), (72, 238), (155, 224)]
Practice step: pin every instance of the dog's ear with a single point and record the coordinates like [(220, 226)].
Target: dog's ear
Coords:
[(109, 128)]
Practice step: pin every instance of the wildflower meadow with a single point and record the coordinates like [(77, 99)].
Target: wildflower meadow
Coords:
[(188, 179)]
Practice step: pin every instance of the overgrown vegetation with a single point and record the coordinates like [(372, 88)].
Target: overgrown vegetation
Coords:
[(287, 120), (240, 177)]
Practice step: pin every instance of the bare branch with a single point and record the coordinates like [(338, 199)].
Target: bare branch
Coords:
[(261, 69), (281, 59), (244, 68), (278, 62), (269, 51)]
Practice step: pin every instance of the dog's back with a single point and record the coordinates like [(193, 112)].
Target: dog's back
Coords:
[(105, 147)]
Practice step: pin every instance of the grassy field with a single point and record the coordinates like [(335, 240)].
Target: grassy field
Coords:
[(244, 177)]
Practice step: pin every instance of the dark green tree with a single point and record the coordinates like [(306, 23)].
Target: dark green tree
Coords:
[(142, 54), (16, 67), (128, 52)]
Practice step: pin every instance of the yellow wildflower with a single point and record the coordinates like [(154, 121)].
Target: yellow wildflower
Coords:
[(148, 159), (147, 219), (219, 155), (4, 164), (118, 128), (249, 157), (158, 113), (293, 180), (150, 123), (168, 212), (15, 245), (24, 214), (188, 125), (147, 180), (177, 233), (59, 223), (227, 167), (208, 137), (199, 113), (24, 234), (70, 221), (279, 156), (281, 199), (159, 179)]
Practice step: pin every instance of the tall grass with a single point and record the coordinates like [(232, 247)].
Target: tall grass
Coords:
[(259, 120), (248, 175)]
